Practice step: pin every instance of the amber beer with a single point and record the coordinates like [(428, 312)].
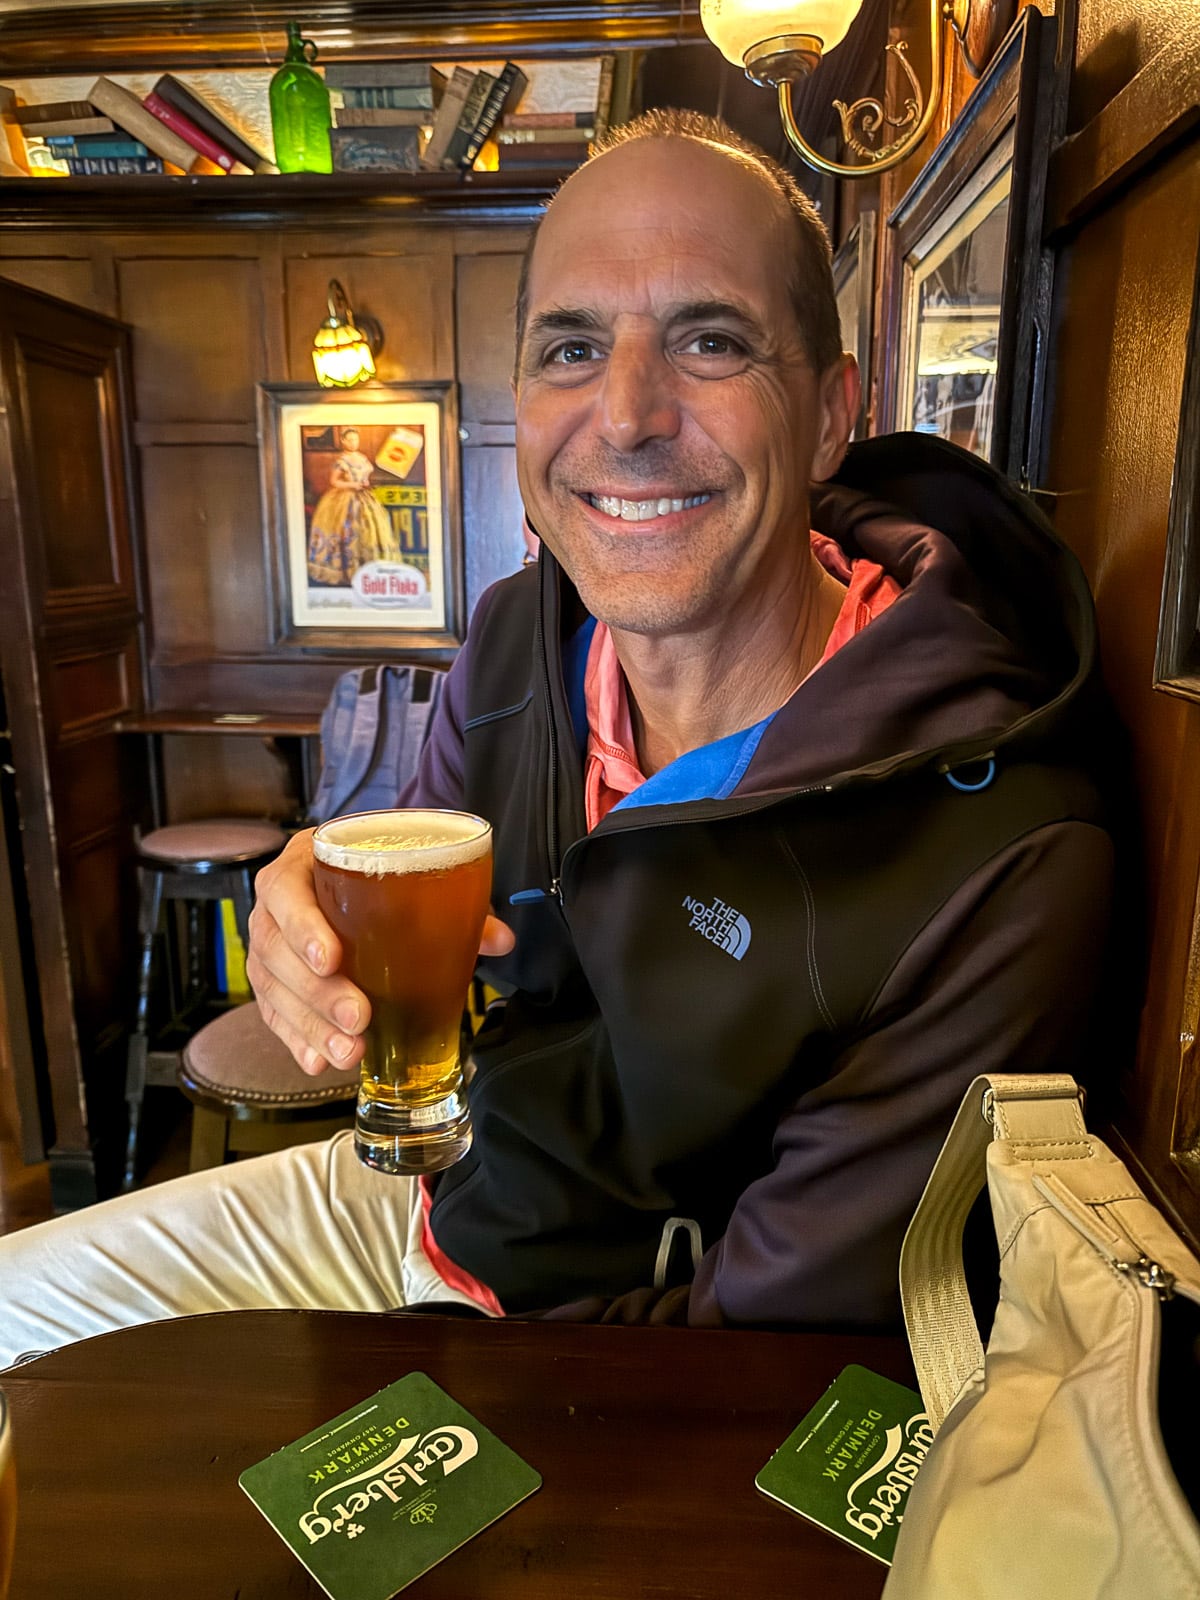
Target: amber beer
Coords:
[(8, 1497), (407, 892)]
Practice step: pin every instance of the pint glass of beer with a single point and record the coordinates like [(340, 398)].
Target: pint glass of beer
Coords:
[(8, 1497), (407, 892)]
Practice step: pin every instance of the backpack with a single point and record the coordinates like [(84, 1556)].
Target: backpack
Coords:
[(373, 730)]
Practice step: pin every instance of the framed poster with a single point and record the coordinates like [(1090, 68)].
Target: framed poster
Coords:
[(1177, 655), (969, 317), (362, 502), (854, 286)]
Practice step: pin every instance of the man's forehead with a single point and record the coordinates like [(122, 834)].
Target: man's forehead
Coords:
[(640, 208)]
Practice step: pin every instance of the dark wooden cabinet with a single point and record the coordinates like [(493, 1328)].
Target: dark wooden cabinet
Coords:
[(71, 656)]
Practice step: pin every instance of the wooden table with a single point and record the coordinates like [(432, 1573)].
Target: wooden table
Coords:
[(129, 1448)]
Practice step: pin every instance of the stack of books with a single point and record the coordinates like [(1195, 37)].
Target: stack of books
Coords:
[(113, 133), (474, 102), (385, 115), (545, 138), (550, 135)]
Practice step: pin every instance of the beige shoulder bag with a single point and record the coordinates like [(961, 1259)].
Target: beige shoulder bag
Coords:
[(1048, 1478)]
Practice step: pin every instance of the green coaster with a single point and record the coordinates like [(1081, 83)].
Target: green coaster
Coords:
[(849, 1465), (373, 1499)]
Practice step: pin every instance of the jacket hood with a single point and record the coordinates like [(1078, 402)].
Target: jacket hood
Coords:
[(990, 647)]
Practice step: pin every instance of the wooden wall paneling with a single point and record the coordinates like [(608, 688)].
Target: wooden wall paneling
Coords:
[(493, 514), (71, 278), (197, 343), (409, 291), (205, 776), (205, 577), (486, 300), (1110, 446)]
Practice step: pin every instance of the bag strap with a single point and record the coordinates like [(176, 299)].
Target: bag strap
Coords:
[(946, 1348)]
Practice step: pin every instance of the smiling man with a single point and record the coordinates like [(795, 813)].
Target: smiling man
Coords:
[(784, 748)]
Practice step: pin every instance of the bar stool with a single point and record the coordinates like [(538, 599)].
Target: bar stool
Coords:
[(193, 862), (249, 1096)]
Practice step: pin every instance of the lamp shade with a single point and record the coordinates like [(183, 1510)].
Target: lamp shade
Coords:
[(341, 357), (343, 352), (737, 26)]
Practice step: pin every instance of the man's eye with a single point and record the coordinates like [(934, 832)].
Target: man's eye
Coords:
[(712, 344), (571, 353)]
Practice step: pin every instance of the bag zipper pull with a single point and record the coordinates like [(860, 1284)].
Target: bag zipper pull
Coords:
[(1122, 1253)]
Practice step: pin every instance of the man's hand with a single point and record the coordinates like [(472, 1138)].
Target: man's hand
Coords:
[(293, 962)]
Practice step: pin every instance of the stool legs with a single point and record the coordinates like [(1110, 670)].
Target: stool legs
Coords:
[(139, 1044)]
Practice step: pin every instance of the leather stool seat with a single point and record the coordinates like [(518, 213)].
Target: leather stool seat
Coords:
[(241, 1079), (228, 841)]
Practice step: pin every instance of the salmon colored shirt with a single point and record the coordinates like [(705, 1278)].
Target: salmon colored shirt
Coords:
[(611, 770)]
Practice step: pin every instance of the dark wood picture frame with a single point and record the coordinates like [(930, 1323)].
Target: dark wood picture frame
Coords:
[(1177, 654), (1010, 120), (376, 630), (854, 270)]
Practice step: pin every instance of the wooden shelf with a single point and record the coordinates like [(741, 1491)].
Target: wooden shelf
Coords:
[(295, 200), (169, 34)]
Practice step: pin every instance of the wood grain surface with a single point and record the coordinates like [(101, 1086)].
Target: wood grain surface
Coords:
[(129, 1448)]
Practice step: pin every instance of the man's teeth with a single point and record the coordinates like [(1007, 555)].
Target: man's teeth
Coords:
[(643, 510)]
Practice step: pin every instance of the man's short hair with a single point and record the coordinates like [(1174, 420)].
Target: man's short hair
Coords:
[(811, 267)]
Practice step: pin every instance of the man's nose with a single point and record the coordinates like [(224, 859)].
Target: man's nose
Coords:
[(638, 401)]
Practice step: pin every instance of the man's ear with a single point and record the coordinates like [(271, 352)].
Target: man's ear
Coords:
[(840, 402)]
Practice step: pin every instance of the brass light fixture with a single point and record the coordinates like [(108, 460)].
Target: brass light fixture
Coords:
[(779, 44), (345, 345)]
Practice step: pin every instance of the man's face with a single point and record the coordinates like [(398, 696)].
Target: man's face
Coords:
[(668, 421)]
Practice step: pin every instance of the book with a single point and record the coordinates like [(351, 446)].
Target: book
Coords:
[(375, 149), (542, 155), (69, 127), (548, 119), (545, 135), (198, 111), (849, 1464), (604, 93), (200, 142), (507, 90), (385, 117), (129, 112), (446, 121), (392, 99), (468, 120), (98, 147), (51, 111), (384, 75), (114, 166), (375, 1497)]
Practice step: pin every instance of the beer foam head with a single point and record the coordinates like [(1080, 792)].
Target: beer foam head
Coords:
[(378, 842)]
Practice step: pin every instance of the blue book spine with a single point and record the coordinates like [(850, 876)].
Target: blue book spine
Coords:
[(94, 146)]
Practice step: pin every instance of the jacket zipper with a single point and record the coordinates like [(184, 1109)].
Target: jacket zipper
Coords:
[(552, 835)]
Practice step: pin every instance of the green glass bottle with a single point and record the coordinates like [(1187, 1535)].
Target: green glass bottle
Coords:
[(300, 115)]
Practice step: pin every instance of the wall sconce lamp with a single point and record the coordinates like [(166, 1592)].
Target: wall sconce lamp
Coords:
[(779, 44), (345, 345)]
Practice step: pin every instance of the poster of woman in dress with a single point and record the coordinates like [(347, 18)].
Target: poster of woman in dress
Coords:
[(363, 510)]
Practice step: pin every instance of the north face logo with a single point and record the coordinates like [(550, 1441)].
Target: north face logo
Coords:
[(720, 924)]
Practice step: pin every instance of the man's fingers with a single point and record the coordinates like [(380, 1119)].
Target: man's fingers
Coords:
[(285, 889), (498, 938)]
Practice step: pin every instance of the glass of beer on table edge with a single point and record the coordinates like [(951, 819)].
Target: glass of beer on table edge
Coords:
[(8, 1497), (407, 893)]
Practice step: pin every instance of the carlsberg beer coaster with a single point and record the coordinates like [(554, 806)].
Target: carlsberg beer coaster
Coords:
[(373, 1499), (849, 1465)]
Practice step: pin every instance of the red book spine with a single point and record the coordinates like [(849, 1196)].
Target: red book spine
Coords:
[(187, 129)]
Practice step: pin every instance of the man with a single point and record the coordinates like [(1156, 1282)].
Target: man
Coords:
[(793, 835)]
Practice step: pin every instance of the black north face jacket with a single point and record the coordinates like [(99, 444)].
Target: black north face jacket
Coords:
[(759, 1011)]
